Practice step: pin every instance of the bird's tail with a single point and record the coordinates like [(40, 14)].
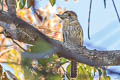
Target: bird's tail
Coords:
[(73, 69)]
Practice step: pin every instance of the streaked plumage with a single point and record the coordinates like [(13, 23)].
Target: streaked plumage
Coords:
[(72, 35)]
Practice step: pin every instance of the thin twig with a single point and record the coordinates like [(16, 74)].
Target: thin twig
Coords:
[(2, 5), (11, 75), (65, 73), (1, 2), (19, 45), (116, 10), (104, 3), (38, 15), (89, 19)]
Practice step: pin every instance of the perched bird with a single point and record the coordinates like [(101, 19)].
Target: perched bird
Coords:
[(72, 35)]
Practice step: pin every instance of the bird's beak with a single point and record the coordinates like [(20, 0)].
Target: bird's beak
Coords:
[(61, 16)]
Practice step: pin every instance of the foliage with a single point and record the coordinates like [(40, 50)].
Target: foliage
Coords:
[(52, 2), (22, 3)]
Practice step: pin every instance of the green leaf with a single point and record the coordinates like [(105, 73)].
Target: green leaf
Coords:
[(100, 72), (83, 73), (6, 2), (22, 4), (68, 70), (52, 2), (63, 60)]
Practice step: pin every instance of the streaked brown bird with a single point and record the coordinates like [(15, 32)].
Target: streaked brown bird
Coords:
[(72, 35)]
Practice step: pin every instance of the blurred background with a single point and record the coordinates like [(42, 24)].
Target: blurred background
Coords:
[(104, 32)]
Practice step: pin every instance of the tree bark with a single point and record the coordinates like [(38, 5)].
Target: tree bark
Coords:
[(80, 54)]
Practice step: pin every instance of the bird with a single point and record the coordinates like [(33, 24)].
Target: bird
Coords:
[(72, 35)]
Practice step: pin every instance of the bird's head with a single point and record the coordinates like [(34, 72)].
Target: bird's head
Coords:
[(70, 15)]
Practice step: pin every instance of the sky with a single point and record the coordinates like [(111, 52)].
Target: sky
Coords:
[(104, 25)]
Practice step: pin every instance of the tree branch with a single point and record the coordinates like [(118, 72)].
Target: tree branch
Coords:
[(80, 54)]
